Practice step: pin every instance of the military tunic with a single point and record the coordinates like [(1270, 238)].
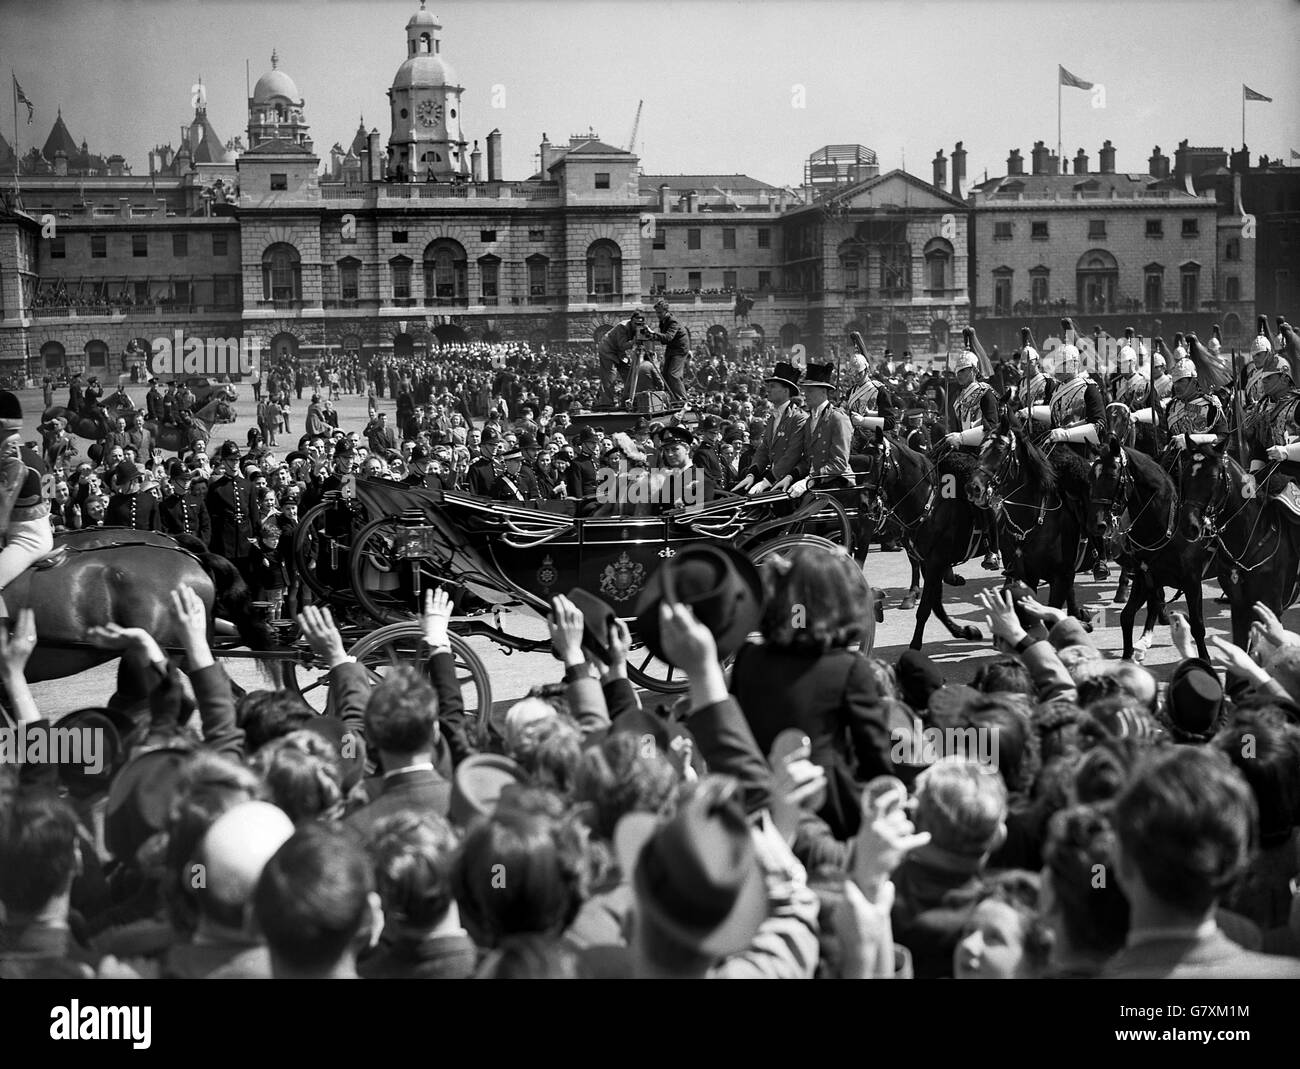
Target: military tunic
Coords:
[(976, 406), (1132, 391)]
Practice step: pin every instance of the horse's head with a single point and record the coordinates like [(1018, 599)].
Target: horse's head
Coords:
[(997, 458), (1107, 484), (1204, 488)]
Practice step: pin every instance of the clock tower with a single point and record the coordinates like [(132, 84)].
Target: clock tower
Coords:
[(425, 104)]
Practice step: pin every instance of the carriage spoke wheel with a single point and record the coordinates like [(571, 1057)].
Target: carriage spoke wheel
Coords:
[(831, 523), (322, 560), (391, 588), (648, 672), (397, 646)]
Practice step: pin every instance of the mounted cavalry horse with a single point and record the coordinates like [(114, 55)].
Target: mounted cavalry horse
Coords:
[(180, 436), (213, 401)]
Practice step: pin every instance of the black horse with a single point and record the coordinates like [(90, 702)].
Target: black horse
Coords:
[(1257, 547), (936, 520), (1038, 522), (1135, 501)]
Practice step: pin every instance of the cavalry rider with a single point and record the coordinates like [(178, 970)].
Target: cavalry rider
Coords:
[(976, 411), (1278, 431), (1162, 383), (1192, 416), (1077, 417), (1129, 386), (870, 404), (25, 528), (1035, 387), (1262, 361)]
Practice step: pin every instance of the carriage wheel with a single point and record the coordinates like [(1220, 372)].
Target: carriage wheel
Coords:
[(831, 523), (785, 543), (391, 589), (646, 671), (307, 540), (393, 647)]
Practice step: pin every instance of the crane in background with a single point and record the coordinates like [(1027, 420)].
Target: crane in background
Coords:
[(636, 124)]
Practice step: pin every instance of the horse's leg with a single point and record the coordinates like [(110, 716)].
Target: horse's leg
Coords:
[(1195, 595), (931, 593), (1138, 593), (967, 632), (1155, 610)]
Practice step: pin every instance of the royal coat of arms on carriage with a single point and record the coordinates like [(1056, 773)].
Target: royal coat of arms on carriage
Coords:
[(546, 574), (622, 579)]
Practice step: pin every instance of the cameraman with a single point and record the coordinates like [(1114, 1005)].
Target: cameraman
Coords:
[(614, 349), (678, 349)]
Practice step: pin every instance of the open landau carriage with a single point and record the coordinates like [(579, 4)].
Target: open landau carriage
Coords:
[(375, 548)]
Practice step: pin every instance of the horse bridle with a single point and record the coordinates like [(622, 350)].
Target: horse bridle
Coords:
[(1210, 526)]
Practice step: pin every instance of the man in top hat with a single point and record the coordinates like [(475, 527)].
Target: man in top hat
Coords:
[(184, 510), (677, 349), (581, 479), (824, 454), (515, 482), (779, 447), (130, 504), (231, 507), (485, 469), (615, 351), (24, 511)]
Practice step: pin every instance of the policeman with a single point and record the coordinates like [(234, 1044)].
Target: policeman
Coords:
[(706, 453), (510, 483), (677, 350), (153, 402), (483, 472), (131, 505), (976, 412), (184, 511), (230, 506)]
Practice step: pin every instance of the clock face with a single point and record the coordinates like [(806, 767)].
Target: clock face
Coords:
[(429, 113)]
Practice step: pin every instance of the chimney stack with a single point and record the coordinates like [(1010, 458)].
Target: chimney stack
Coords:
[(958, 170), (940, 170), (1158, 164), (1015, 163), (549, 155), (374, 158), (692, 202), (1080, 162), (1106, 158), (476, 164), (1039, 158), (61, 163), (665, 198), (494, 157)]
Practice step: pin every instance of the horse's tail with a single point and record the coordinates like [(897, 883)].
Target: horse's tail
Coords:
[(232, 600)]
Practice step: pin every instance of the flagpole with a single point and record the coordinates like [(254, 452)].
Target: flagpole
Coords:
[(13, 88), (1058, 113), (1243, 115)]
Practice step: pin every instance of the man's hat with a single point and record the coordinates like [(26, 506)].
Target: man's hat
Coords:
[(419, 452), (710, 423), (1194, 703), (699, 885), (489, 434), (642, 426), (11, 414), (125, 473), (228, 451), (820, 375), (719, 583), (344, 448), (178, 472), (585, 434), (678, 434), (787, 375), (477, 786), (526, 440), (733, 434), (513, 454), (140, 799)]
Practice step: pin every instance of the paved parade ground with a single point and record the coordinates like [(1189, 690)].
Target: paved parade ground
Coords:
[(513, 674)]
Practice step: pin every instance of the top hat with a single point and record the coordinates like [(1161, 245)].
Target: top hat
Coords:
[(820, 375), (1194, 702), (787, 375), (720, 585)]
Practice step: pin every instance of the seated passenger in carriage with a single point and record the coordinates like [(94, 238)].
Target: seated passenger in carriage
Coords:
[(24, 512), (515, 483)]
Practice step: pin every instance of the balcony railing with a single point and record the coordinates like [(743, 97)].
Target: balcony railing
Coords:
[(489, 302), (153, 308), (446, 302), (544, 298), (604, 298)]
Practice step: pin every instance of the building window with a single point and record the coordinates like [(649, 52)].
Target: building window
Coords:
[(895, 270), (659, 282), (401, 270), (938, 265), (1155, 228), (220, 244), (1038, 231), (693, 238), (764, 237), (400, 237), (98, 246), (1232, 288), (139, 245), (181, 292), (489, 270), (1096, 228), (765, 280), (279, 181), (446, 271), (728, 280), (537, 278), (536, 235), (281, 273), (1232, 250), (58, 249), (487, 237), (851, 280), (728, 237), (180, 244), (1097, 278), (223, 292), (349, 275), (602, 179), (1153, 295), (1002, 293), (1191, 228), (660, 238), (1190, 284), (1038, 288), (693, 281), (1002, 231), (142, 293), (604, 268)]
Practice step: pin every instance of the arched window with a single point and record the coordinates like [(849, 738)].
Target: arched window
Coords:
[(896, 269), (1002, 277), (1097, 278), (281, 273), (53, 356), (446, 272), (351, 345), (789, 336), (604, 269), (1189, 290), (1231, 325), (426, 45), (1040, 279), (1153, 287), (938, 265), (897, 337), (97, 356), (489, 270)]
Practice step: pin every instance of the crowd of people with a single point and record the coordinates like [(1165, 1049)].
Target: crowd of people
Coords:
[(805, 810)]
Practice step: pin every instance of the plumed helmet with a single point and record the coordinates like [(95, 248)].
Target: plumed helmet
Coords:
[(1261, 344), (858, 364), (1158, 361), (1068, 359), (1182, 369), (966, 360), (1180, 353), (1127, 358), (1277, 366)]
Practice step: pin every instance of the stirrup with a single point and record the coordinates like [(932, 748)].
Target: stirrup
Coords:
[(1100, 573), (992, 562)]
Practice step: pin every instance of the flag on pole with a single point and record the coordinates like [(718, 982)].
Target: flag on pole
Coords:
[(1295, 155), (22, 99), (1252, 95), (1069, 79)]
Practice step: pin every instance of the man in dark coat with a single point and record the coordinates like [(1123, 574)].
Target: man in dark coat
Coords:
[(131, 506), (706, 455), (183, 511), (483, 472), (230, 506), (677, 349), (581, 479)]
